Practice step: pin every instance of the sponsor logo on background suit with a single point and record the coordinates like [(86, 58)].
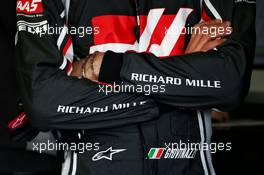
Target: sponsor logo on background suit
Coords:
[(29, 6), (246, 1), (107, 154), (159, 33)]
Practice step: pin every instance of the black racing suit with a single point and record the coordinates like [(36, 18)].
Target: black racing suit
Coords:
[(143, 48)]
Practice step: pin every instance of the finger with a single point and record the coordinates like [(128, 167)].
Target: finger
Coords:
[(194, 41), (204, 39), (212, 44), (98, 59), (223, 30), (218, 30), (198, 38), (192, 44), (90, 75), (207, 31)]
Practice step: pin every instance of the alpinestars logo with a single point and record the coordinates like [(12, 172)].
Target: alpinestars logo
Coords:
[(17, 122), (29, 6), (159, 153), (107, 154)]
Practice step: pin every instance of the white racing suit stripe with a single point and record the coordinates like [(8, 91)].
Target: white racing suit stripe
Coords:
[(212, 9), (208, 130), (66, 164), (202, 141), (74, 166), (205, 126)]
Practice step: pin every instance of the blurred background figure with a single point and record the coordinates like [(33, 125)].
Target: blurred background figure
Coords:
[(220, 116)]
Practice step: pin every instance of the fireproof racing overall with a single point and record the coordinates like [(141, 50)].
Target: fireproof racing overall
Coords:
[(132, 132)]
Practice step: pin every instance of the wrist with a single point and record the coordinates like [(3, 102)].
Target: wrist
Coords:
[(83, 75), (88, 68)]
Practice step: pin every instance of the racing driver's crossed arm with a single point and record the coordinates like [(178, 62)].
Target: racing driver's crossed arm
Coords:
[(209, 78), (53, 100)]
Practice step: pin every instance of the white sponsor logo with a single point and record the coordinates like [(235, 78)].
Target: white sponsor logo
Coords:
[(34, 28), (107, 154), (247, 1), (180, 154)]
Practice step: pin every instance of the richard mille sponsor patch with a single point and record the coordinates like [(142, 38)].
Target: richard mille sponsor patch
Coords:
[(89, 110), (162, 153), (175, 81)]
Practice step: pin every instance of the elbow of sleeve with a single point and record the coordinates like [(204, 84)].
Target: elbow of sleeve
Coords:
[(37, 119), (235, 79), (231, 102), (233, 94), (39, 114)]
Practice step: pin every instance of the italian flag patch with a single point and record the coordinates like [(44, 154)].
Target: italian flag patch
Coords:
[(155, 153)]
